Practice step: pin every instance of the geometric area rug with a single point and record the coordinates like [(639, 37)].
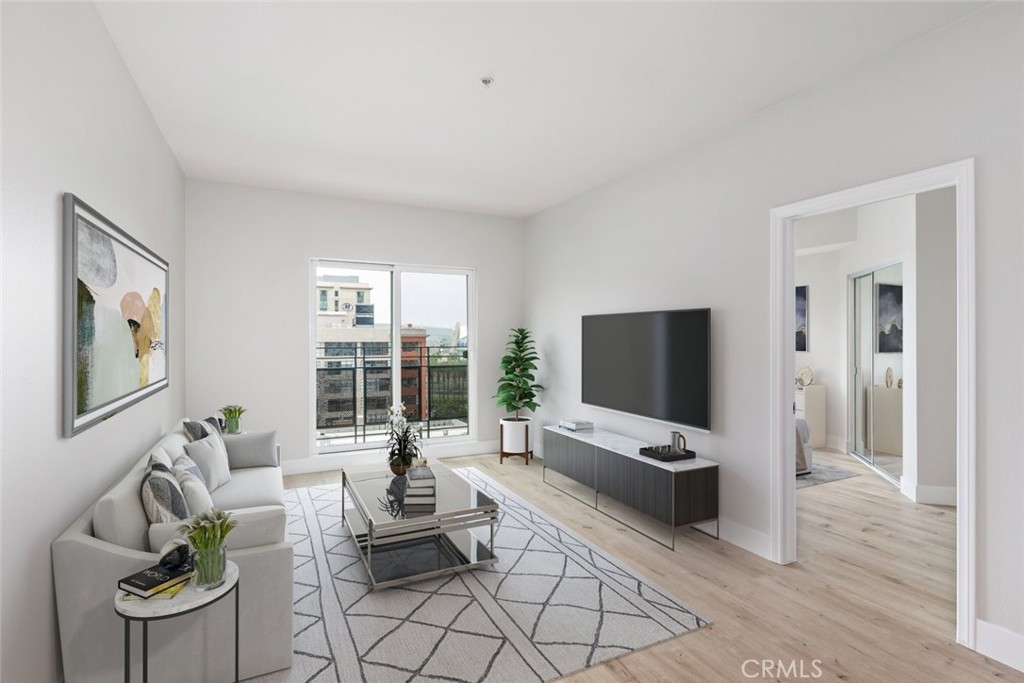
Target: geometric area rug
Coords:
[(553, 604)]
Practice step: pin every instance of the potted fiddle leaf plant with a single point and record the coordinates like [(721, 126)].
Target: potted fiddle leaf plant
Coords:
[(403, 440), (517, 391)]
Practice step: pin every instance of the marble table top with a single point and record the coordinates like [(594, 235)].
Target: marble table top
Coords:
[(188, 600), (629, 447)]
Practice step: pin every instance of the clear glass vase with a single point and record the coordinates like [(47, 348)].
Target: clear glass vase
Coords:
[(209, 565)]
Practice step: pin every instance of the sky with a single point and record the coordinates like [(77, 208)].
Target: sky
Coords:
[(430, 299)]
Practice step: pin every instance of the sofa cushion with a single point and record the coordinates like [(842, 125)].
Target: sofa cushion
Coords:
[(211, 456), (251, 487), (189, 477), (162, 498), (257, 526), (256, 449)]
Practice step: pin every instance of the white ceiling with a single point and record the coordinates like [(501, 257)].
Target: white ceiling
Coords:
[(383, 101)]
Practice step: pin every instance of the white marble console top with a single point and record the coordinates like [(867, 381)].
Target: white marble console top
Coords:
[(624, 445)]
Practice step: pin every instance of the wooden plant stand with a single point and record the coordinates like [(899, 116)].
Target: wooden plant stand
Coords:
[(526, 455)]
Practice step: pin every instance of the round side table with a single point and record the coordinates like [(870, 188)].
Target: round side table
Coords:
[(187, 601)]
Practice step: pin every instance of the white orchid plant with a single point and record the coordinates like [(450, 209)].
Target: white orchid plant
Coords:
[(402, 437)]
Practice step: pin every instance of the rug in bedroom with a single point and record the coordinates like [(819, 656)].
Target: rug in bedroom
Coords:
[(823, 474), (552, 605)]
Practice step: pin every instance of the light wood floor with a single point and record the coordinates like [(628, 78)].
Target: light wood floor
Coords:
[(871, 597)]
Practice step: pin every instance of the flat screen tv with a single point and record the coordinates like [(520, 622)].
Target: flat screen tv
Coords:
[(656, 364)]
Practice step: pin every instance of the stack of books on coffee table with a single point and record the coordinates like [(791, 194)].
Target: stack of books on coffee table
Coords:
[(420, 492)]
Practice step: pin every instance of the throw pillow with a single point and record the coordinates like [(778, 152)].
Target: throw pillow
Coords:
[(212, 458), (160, 455), (256, 449), (200, 430), (186, 463), (162, 498), (190, 479)]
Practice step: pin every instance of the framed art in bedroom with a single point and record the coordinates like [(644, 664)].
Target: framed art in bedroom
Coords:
[(115, 318), (889, 308), (802, 327)]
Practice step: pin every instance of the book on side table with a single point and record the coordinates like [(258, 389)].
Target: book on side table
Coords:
[(155, 579), (165, 594)]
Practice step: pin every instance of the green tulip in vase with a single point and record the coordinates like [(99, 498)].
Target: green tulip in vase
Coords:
[(231, 416), (206, 532)]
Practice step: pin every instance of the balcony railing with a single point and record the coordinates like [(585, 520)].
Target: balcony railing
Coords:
[(354, 391)]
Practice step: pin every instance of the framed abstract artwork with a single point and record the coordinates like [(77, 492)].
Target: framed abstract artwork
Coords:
[(889, 305), (115, 318), (801, 318)]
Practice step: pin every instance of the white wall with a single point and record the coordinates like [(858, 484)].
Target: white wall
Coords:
[(825, 232), (249, 253), (73, 121), (936, 353), (693, 230), (826, 354)]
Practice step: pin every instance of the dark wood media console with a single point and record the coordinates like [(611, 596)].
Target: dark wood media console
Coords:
[(606, 464)]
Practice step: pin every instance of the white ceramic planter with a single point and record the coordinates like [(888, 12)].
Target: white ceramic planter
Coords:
[(514, 435)]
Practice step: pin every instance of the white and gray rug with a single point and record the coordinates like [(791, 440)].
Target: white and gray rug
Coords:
[(823, 474), (553, 604)]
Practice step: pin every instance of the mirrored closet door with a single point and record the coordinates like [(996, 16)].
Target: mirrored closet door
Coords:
[(876, 369)]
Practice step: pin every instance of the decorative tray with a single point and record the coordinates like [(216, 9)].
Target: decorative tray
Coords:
[(666, 453)]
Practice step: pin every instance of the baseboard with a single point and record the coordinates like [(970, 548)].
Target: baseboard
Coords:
[(1000, 644), (745, 537), (836, 442), (936, 495), (335, 461), (457, 450)]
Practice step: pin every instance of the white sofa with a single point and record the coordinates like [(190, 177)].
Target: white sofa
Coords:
[(114, 539)]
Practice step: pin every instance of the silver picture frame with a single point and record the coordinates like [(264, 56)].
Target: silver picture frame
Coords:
[(115, 319)]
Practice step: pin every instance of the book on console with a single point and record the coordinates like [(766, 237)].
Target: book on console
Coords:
[(155, 579)]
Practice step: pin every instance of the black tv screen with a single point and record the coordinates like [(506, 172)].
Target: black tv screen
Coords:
[(655, 364)]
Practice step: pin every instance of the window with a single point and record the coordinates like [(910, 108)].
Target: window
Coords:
[(411, 348)]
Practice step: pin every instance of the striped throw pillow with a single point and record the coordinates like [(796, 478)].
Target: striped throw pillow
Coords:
[(162, 497)]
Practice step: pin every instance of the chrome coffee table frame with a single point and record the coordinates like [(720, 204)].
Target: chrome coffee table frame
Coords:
[(444, 535)]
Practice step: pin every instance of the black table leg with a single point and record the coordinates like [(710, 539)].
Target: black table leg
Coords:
[(127, 651), (145, 652), (236, 630)]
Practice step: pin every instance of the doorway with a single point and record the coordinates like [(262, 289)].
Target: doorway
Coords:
[(959, 175)]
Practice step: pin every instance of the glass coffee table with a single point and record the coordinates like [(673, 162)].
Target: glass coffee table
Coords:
[(403, 538)]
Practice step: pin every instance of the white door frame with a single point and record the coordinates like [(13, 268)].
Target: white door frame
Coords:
[(959, 175)]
